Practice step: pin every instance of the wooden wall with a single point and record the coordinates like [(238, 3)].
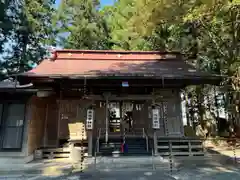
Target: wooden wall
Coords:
[(170, 107), (50, 118), (37, 112), (51, 122), (141, 118), (71, 112), (42, 123), (100, 118)]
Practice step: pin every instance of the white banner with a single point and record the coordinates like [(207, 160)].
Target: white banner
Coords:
[(155, 119), (90, 118)]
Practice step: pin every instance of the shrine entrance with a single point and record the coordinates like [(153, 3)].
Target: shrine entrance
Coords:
[(114, 117), (121, 117), (125, 124)]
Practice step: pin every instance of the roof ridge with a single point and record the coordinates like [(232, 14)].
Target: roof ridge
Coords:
[(112, 59), (115, 51)]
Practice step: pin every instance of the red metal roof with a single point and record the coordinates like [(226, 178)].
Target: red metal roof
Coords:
[(117, 63), (114, 55)]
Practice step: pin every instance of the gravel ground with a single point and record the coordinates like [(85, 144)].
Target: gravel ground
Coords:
[(141, 169), (115, 175), (208, 173), (184, 174)]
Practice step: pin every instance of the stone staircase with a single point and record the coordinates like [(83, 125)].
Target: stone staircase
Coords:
[(114, 144), (136, 146)]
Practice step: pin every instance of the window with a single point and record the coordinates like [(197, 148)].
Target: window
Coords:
[(1, 111), (11, 125)]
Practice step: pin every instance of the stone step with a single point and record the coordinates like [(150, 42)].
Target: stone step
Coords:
[(133, 163), (136, 147)]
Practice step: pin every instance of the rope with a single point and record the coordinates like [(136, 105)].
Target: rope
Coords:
[(234, 151), (85, 87), (124, 139), (82, 151), (171, 162), (124, 136), (124, 129)]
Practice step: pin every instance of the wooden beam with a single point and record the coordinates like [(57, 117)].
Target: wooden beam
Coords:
[(118, 98)]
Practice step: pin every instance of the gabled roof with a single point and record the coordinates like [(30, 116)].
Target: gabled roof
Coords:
[(93, 63)]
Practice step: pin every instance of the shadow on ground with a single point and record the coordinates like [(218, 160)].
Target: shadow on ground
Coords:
[(214, 165)]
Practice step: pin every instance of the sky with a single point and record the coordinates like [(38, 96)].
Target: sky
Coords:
[(103, 2), (106, 2)]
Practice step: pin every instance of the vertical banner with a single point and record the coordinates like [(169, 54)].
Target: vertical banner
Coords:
[(90, 118), (155, 119)]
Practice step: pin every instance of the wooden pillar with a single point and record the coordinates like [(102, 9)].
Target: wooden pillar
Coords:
[(59, 117), (155, 139), (106, 96), (106, 133), (181, 113), (45, 127)]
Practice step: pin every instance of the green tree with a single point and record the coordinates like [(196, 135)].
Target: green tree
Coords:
[(206, 32), (81, 25), (30, 35), (123, 34), (6, 21)]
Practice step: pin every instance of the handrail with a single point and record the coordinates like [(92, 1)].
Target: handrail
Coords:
[(155, 143), (98, 139), (97, 147), (99, 132), (153, 164), (146, 138)]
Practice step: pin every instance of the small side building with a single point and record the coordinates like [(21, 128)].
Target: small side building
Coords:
[(15, 124)]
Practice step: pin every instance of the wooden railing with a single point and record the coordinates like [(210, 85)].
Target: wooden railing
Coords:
[(185, 147)]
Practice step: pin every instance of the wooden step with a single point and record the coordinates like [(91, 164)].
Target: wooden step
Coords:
[(53, 153)]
